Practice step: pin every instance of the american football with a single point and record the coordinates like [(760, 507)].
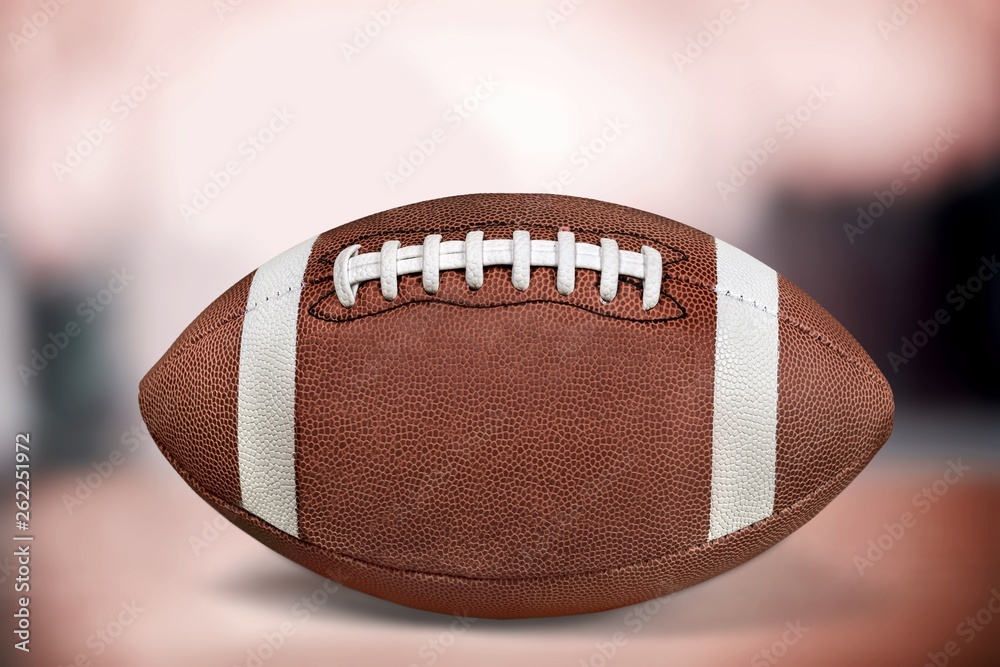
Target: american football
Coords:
[(516, 405)]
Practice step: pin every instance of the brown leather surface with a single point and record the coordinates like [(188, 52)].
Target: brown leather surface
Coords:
[(503, 453), (188, 399), (544, 420), (834, 405), (540, 596)]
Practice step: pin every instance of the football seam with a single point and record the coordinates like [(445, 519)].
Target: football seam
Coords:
[(676, 256), (819, 337), (863, 368), (850, 471), (257, 304), (440, 300)]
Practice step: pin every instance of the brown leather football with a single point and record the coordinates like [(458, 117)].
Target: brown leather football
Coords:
[(516, 405)]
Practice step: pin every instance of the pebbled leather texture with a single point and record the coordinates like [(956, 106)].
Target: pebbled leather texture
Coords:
[(266, 403), (508, 453), (746, 392)]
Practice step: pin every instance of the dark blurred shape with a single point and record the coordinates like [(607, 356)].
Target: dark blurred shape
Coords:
[(75, 390), (967, 226), (902, 273)]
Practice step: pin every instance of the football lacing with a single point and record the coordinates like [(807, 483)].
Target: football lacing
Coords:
[(521, 253)]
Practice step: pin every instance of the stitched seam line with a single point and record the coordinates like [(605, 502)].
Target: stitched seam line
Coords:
[(782, 317), (315, 311), (195, 342), (850, 470), (272, 297), (326, 258)]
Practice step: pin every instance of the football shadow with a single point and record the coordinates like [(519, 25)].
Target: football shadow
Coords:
[(780, 586), (283, 589)]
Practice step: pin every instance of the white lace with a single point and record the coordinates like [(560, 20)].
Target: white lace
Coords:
[(521, 253)]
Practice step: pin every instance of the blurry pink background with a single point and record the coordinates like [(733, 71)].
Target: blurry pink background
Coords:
[(181, 144)]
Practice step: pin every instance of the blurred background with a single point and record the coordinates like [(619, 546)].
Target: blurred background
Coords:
[(153, 153)]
